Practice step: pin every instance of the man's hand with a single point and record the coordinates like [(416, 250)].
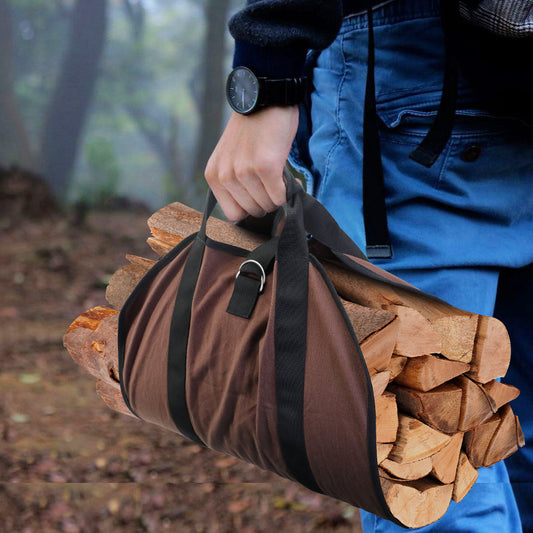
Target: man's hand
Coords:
[(245, 171)]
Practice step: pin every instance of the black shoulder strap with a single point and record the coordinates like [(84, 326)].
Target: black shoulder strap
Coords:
[(374, 209), (433, 144)]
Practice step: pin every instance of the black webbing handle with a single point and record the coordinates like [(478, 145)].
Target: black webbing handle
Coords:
[(319, 223), (374, 208), (290, 336)]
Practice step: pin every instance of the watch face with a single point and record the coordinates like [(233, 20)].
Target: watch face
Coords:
[(242, 90)]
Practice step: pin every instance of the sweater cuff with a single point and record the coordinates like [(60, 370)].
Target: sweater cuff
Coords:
[(271, 62)]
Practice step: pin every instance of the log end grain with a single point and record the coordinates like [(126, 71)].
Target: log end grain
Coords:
[(444, 463), (383, 449), (113, 397), (366, 320), (122, 283), (416, 335), (94, 346), (440, 407), (492, 350), (416, 503), (386, 418), (476, 406), (408, 471), (429, 371), (415, 440), (377, 348), (465, 478), (504, 441)]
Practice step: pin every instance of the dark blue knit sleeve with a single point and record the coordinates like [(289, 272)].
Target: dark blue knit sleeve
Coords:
[(272, 37)]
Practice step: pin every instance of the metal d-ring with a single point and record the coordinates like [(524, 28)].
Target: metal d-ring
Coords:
[(263, 275)]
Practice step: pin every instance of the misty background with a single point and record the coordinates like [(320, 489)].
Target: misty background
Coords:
[(106, 98)]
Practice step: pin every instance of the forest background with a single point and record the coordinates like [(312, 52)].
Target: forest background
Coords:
[(114, 97), (109, 110)]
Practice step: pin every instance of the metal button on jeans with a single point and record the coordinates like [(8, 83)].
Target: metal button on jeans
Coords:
[(471, 153)]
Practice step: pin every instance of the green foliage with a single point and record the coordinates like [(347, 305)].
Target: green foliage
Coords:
[(149, 72), (103, 176)]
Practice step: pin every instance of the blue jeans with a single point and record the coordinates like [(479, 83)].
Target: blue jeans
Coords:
[(457, 228)]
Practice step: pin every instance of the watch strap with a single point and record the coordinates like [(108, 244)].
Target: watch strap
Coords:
[(286, 91)]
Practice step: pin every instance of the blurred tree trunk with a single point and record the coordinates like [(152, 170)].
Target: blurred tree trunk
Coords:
[(211, 106), (162, 140), (14, 142), (70, 103)]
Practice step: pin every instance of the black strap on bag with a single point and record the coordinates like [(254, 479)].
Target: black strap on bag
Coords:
[(374, 207), (290, 327), (378, 245), (179, 333), (250, 279)]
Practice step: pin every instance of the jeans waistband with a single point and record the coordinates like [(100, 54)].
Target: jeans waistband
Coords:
[(390, 12)]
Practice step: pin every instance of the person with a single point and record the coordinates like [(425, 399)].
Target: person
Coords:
[(461, 229)]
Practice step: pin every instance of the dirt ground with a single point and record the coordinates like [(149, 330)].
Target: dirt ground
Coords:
[(69, 464)]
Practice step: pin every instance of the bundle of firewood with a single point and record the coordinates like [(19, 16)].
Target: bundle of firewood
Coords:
[(440, 414)]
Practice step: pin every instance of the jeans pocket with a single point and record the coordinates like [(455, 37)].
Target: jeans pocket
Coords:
[(405, 117)]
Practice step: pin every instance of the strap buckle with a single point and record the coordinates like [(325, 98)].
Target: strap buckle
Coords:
[(261, 269)]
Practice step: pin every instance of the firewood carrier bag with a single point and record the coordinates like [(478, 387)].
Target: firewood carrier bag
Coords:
[(252, 353)]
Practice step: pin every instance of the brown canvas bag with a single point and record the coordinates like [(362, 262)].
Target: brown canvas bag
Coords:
[(252, 354)]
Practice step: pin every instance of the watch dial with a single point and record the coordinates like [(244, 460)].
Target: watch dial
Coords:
[(242, 90)]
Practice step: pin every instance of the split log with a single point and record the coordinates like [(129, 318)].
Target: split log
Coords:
[(91, 341), (465, 478), (112, 397), (147, 264), (428, 371), (475, 405), (122, 283), (357, 288), (383, 449), (520, 438), (396, 365), (377, 348), (439, 408), (175, 221), (415, 440), (477, 440), (416, 503), (456, 328), (380, 382), (366, 321), (499, 394), (386, 418), (408, 471), (376, 331), (444, 463), (161, 248), (504, 441), (492, 352), (399, 334), (416, 336)]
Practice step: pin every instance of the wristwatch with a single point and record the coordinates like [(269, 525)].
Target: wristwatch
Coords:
[(247, 92)]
